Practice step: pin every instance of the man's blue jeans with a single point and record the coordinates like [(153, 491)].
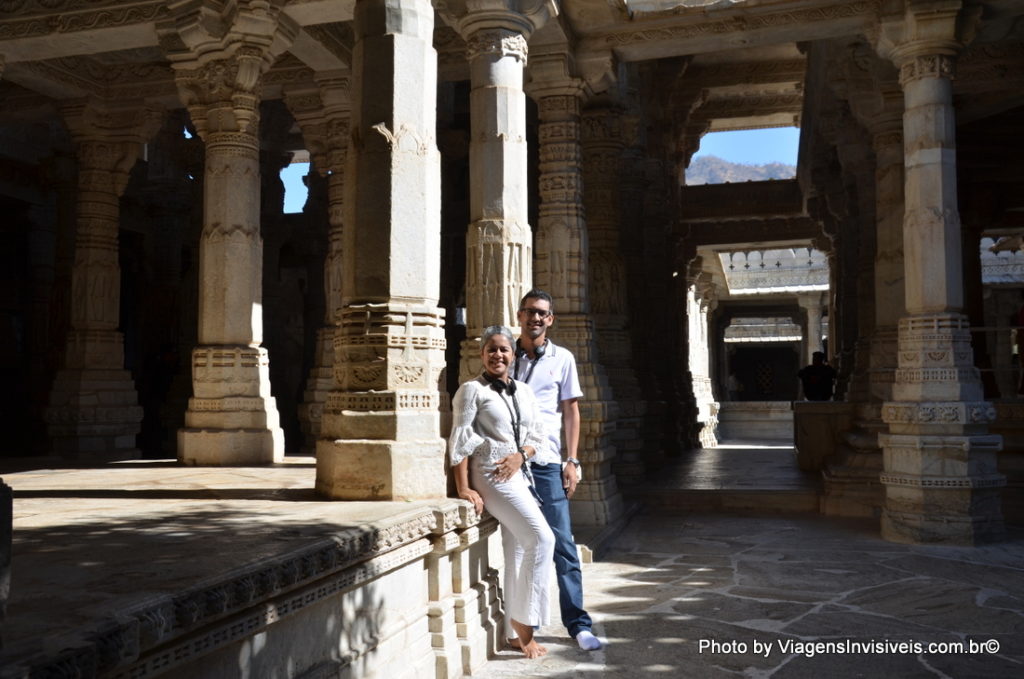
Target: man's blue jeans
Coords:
[(548, 479)]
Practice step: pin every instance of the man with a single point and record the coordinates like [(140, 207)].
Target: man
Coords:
[(550, 370), (817, 378)]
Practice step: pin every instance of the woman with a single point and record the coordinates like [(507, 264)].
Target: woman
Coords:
[(495, 430)]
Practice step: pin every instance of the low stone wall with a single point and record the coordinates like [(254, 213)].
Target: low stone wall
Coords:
[(769, 421), (413, 595), (817, 428)]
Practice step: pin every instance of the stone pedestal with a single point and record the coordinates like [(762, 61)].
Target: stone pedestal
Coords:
[(940, 463), (94, 409), (380, 434)]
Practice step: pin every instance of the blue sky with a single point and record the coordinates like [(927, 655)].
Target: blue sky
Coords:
[(753, 147)]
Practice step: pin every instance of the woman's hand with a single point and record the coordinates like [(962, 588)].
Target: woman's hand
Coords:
[(474, 497), (507, 466)]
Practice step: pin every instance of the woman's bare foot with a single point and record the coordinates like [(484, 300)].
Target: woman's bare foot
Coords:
[(527, 644)]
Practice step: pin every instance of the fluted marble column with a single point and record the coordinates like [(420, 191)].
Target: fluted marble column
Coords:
[(561, 269), (324, 117), (232, 418), (499, 261), (602, 145), (380, 435), (94, 410), (940, 476)]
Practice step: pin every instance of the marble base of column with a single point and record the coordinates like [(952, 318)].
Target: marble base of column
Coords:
[(319, 385), (94, 412), (232, 420), (950, 505), (380, 433), (850, 483), (941, 477)]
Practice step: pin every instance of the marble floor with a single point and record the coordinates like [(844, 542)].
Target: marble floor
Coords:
[(789, 597)]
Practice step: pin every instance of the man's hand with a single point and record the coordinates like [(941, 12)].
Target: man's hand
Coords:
[(570, 477)]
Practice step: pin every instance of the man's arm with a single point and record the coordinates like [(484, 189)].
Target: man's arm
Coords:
[(571, 427)]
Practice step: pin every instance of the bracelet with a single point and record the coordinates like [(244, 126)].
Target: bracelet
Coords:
[(522, 451)]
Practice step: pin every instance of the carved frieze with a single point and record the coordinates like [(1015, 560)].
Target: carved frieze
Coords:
[(496, 42), (45, 17), (955, 412), (927, 66)]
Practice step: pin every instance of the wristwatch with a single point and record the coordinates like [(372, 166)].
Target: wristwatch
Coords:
[(574, 461)]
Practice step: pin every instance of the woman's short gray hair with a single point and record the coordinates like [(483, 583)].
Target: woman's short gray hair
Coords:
[(493, 330)]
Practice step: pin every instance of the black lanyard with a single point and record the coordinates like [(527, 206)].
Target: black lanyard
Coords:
[(529, 373), (517, 418)]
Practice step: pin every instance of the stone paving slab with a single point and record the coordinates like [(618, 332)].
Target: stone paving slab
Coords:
[(669, 584)]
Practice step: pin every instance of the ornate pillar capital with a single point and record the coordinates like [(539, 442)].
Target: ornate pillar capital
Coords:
[(478, 19), (219, 60), (923, 40)]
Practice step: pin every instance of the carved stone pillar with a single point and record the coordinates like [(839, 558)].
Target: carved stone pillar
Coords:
[(561, 260), (94, 410), (380, 435), (603, 145), (232, 418), (701, 299), (940, 474), (324, 117), (499, 258)]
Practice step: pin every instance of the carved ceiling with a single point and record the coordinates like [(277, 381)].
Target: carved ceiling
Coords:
[(742, 67)]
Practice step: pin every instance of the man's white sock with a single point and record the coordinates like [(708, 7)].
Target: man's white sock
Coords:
[(587, 641)]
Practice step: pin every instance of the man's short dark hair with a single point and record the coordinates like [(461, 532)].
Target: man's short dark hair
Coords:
[(537, 294)]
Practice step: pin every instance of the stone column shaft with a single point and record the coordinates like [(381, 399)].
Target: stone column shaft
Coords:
[(940, 471), (94, 409), (561, 269), (499, 259), (380, 436)]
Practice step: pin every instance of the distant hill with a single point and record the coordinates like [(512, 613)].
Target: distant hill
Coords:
[(714, 170)]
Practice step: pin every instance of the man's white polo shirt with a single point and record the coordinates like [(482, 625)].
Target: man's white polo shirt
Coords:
[(553, 379)]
